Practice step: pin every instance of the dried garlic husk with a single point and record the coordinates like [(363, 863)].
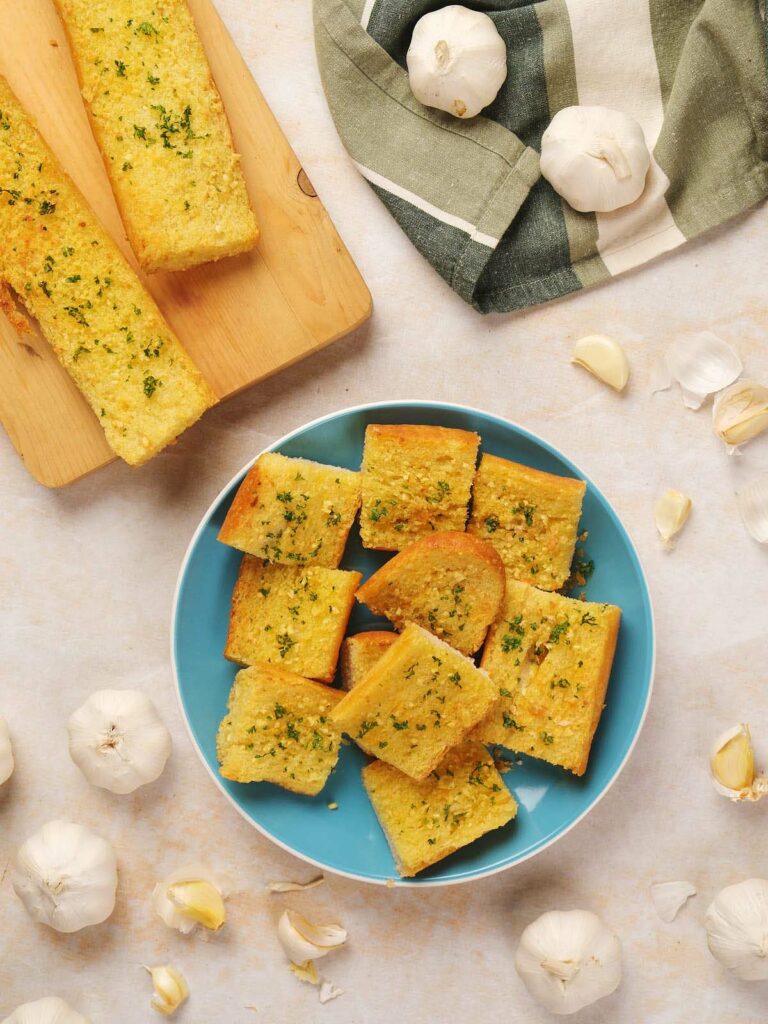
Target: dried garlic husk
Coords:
[(604, 358), (732, 764), (329, 991), (672, 511), (753, 506), (670, 897), (303, 941), (740, 413), (192, 895), (702, 364), (295, 886), (171, 989)]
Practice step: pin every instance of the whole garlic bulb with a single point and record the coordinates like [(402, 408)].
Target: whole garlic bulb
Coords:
[(6, 752), (457, 61), (568, 959), (66, 877), (737, 929), (50, 1010), (595, 158), (118, 740)]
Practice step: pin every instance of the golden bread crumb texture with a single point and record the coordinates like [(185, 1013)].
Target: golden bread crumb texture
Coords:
[(450, 583), (417, 480), (162, 129), (530, 517), (103, 326), (425, 821), (291, 616), (550, 660), (278, 728), (359, 653), (293, 511), (418, 700)]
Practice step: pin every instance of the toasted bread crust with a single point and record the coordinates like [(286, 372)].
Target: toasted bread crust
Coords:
[(360, 652)]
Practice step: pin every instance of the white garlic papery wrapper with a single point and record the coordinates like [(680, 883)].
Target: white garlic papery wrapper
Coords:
[(294, 886), (66, 877), (670, 897), (671, 513), (568, 959), (702, 364), (303, 941), (50, 1010), (6, 752), (732, 766), (752, 501), (595, 158), (171, 990), (737, 929), (740, 413), (206, 906), (457, 61), (604, 358), (118, 740)]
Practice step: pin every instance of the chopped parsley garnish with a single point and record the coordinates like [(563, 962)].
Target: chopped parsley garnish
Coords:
[(557, 631), (47, 208), (587, 619), (120, 67), (510, 643), (284, 643), (151, 384), (366, 727), (284, 496), (279, 710), (509, 722), (547, 738), (77, 314), (147, 29), (399, 726), (292, 731), (492, 523)]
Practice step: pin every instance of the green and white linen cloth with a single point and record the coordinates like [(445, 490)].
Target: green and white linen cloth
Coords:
[(469, 193)]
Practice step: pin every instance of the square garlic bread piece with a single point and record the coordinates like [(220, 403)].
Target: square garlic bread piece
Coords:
[(420, 699), (550, 660), (461, 800), (291, 616), (278, 728), (530, 517), (359, 653), (293, 511), (417, 480)]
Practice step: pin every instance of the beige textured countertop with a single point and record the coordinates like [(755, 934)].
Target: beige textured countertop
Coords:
[(86, 580)]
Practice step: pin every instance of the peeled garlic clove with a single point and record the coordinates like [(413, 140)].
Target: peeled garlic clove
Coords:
[(737, 929), (303, 941), (50, 1010), (6, 752), (732, 764), (604, 358), (294, 886), (702, 364), (670, 897), (170, 989), (672, 511), (752, 501), (189, 896), (740, 413)]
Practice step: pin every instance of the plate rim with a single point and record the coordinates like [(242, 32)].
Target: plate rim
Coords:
[(405, 882)]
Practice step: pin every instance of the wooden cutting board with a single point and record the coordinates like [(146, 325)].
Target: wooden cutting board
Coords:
[(241, 319)]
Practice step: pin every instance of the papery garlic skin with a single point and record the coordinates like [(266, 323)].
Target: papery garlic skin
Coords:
[(568, 959), (294, 886), (732, 765), (66, 877), (737, 929), (50, 1010), (671, 513), (171, 990), (457, 61), (752, 501), (6, 752), (190, 896), (303, 941), (740, 413), (118, 740), (596, 158), (604, 358), (702, 364), (670, 897)]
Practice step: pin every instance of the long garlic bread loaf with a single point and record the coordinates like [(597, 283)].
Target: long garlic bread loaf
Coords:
[(162, 130), (102, 324)]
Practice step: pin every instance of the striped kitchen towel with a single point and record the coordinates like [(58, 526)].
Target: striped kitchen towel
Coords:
[(469, 193)]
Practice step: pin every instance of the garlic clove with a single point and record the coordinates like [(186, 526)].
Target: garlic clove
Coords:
[(732, 765), (294, 886), (118, 740), (6, 752), (190, 896), (702, 364), (671, 512), (303, 941), (171, 989), (752, 502), (329, 991), (604, 358), (737, 929), (740, 413), (670, 897), (50, 1010), (66, 877)]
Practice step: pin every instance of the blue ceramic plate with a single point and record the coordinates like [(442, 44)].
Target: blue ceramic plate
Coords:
[(348, 840)]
